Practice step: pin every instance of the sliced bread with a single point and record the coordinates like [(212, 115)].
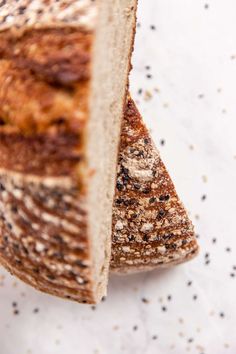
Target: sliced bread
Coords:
[(63, 78), (151, 228)]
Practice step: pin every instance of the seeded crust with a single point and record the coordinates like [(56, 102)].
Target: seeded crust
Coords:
[(45, 73), (43, 211), (151, 228)]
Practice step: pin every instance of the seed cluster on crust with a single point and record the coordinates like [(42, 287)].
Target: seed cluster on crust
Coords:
[(150, 225), (43, 231), (41, 13)]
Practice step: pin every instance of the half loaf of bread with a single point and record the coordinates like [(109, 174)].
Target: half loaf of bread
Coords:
[(64, 68)]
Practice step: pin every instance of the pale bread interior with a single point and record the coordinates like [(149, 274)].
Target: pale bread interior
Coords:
[(112, 50)]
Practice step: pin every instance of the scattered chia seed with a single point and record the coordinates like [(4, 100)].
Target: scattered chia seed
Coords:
[(36, 310), (201, 95), (145, 301), (164, 309), (204, 197), (162, 142), (135, 328), (189, 283)]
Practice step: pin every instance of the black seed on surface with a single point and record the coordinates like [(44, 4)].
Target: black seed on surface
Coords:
[(160, 214), (222, 315), (119, 186), (204, 197), (169, 297), (214, 240), (154, 337), (80, 264), (153, 27), (21, 10), (228, 249), (162, 142), (131, 238), (145, 301), (189, 283), (9, 226), (135, 328), (164, 198), (194, 297), (232, 275), (14, 304), (164, 309), (14, 209), (36, 310), (16, 312)]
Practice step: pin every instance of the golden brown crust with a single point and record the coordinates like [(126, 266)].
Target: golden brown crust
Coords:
[(43, 211), (42, 74), (151, 227)]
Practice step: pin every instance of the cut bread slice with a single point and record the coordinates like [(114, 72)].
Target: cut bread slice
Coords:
[(63, 79), (151, 228)]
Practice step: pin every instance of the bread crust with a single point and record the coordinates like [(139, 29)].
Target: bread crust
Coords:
[(46, 51), (151, 228), (43, 213)]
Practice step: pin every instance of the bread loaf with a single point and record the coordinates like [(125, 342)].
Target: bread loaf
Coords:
[(63, 79), (151, 228)]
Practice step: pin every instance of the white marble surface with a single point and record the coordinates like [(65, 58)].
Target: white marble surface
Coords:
[(192, 54)]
